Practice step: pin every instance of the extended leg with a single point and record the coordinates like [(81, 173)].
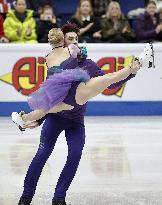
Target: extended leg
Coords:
[(97, 85)]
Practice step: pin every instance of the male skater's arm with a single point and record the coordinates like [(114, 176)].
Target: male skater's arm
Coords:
[(95, 71)]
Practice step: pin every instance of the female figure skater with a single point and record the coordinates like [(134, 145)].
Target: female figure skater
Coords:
[(70, 121), (49, 98)]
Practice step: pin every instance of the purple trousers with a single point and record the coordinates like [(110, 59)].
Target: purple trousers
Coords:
[(75, 137)]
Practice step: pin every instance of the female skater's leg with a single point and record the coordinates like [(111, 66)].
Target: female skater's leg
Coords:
[(50, 131), (75, 138), (21, 118), (38, 114), (97, 85)]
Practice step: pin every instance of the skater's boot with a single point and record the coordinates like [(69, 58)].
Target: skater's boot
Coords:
[(146, 58), (24, 201), (17, 119), (58, 202)]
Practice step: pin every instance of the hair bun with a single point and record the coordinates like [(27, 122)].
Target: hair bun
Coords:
[(55, 36)]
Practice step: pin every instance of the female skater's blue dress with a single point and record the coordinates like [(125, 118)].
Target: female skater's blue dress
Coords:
[(55, 89)]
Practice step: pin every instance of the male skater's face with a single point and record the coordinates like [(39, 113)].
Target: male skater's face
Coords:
[(71, 38)]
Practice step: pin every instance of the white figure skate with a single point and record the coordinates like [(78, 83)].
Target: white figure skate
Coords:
[(146, 58), (17, 119)]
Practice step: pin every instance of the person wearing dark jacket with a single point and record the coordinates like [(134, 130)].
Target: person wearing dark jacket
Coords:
[(89, 25), (99, 6), (115, 26), (149, 24), (46, 22)]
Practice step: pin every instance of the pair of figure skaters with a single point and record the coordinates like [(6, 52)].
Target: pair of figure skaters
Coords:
[(60, 102)]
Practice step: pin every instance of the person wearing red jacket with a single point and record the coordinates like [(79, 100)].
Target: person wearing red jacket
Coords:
[(3, 39)]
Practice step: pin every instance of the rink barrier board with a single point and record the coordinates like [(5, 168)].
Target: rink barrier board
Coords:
[(140, 96), (98, 108)]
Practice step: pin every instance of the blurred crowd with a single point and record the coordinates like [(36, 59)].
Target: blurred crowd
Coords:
[(117, 21)]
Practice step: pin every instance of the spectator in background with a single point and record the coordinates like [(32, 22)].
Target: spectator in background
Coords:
[(149, 25), (99, 6), (36, 6), (4, 6), (115, 26), (89, 25), (160, 14), (3, 39), (46, 22), (159, 4), (19, 25)]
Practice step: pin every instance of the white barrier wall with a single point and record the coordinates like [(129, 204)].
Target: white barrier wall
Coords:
[(22, 70)]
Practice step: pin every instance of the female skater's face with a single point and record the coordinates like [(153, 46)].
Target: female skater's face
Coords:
[(71, 38), (151, 9), (20, 6)]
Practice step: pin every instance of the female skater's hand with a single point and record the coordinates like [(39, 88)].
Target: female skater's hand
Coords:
[(135, 66), (31, 125)]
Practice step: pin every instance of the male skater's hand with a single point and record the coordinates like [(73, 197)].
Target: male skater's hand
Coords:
[(31, 125)]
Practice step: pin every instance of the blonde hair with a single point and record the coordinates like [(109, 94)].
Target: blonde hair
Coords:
[(112, 3), (55, 36), (78, 14)]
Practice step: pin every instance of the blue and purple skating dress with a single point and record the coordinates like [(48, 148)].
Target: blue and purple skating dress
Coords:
[(55, 89)]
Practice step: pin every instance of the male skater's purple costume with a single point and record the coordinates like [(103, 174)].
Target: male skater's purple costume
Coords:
[(72, 122)]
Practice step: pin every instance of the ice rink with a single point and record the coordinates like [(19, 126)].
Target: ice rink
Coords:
[(121, 163)]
